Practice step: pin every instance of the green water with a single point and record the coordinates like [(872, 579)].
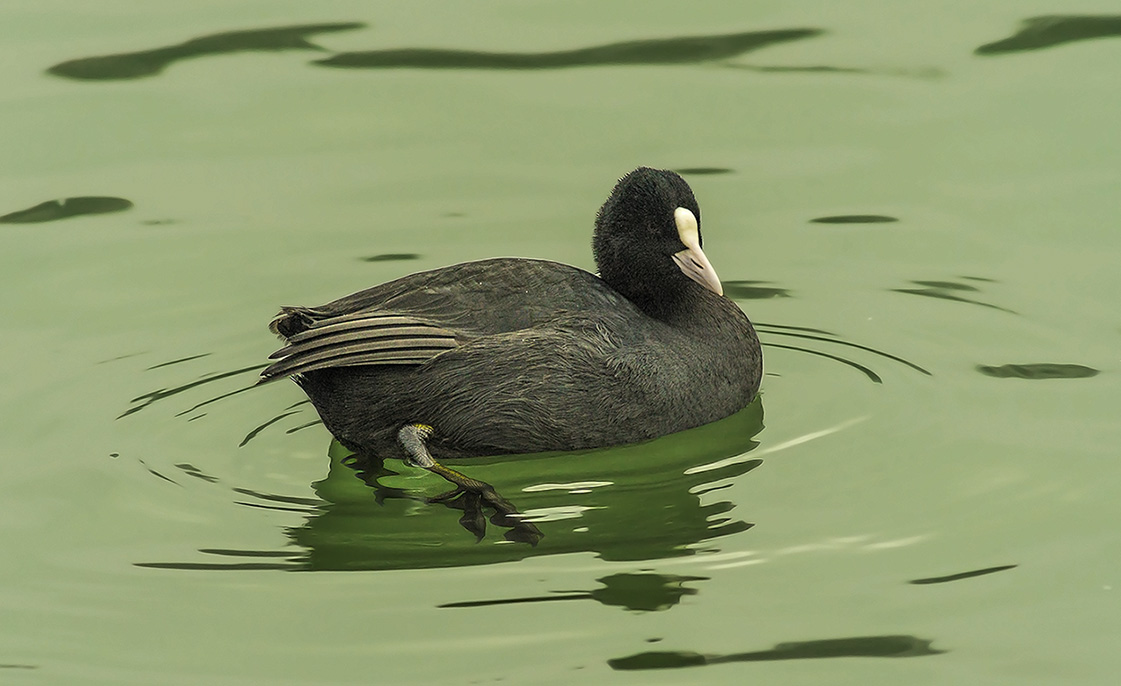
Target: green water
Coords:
[(916, 204)]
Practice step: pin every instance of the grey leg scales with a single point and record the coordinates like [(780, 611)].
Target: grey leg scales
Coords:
[(412, 438)]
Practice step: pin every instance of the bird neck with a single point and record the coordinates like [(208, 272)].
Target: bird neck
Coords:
[(692, 305)]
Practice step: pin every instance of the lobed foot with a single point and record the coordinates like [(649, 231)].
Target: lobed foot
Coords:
[(469, 495)]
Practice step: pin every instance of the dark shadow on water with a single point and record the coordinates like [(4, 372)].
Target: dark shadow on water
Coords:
[(181, 360), (950, 290), (53, 210), (392, 257), (808, 336), (703, 171), (1037, 371), (134, 65), (141, 402), (925, 73), (661, 51), (257, 430), (156, 474), (860, 646), (961, 575), (644, 592), (855, 219), (633, 502), (1045, 32), (193, 471), (753, 290), (867, 372), (818, 336)]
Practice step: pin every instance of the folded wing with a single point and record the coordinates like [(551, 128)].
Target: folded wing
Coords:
[(348, 340)]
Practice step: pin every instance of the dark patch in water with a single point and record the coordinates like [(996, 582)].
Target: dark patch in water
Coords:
[(826, 337), (643, 592), (306, 425), (920, 73), (872, 376), (753, 290), (948, 290), (143, 401), (961, 575), (855, 219), (178, 361), (1045, 32), (158, 475), (392, 257), (253, 434), (245, 553), (191, 470), (947, 285), (682, 50), (702, 171), (1039, 370), (275, 498), (861, 646), (53, 210), (210, 566), (135, 65)]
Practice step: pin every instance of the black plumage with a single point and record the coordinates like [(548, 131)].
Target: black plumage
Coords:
[(519, 356)]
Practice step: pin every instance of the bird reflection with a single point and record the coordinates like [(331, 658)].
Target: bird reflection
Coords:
[(634, 502)]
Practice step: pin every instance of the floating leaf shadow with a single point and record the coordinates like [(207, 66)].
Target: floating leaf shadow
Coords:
[(946, 290), (861, 646), (753, 290), (1045, 32), (703, 171), (855, 219), (961, 575), (53, 210), (135, 65), (1039, 370), (392, 257), (661, 51)]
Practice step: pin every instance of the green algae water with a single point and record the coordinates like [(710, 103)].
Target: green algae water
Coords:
[(915, 205)]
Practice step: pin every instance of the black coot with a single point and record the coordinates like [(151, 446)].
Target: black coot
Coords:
[(512, 355)]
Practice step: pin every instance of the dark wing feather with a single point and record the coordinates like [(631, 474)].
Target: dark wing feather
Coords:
[(359, 338)]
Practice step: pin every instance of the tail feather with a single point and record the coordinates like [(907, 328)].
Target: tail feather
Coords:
[(292, 320)]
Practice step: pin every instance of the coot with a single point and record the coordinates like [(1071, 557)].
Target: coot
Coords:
[(513, 355)]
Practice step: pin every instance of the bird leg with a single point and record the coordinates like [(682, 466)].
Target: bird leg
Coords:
[(469, 495)]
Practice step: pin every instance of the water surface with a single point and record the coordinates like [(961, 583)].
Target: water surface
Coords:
[(917, 205)]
